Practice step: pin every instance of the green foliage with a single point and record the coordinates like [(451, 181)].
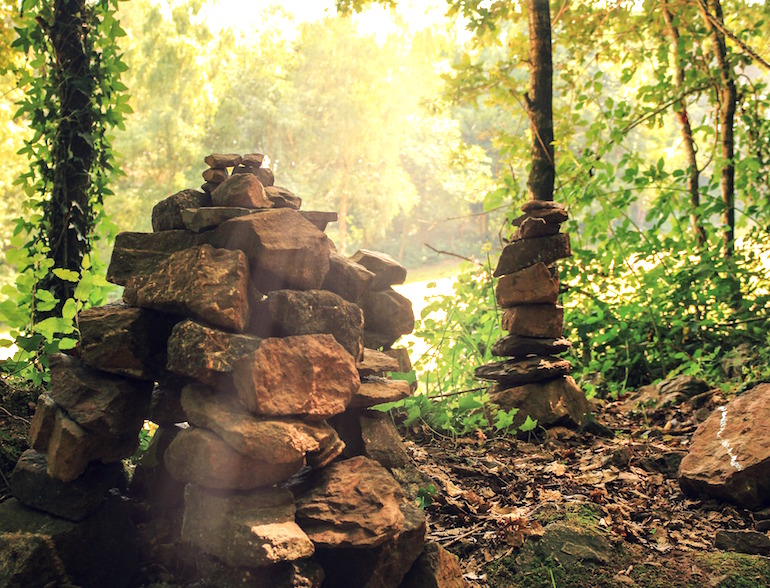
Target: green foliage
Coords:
[(425, 495)]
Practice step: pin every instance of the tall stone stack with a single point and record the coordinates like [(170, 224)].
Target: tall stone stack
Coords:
[(241, 332), (532, 379)]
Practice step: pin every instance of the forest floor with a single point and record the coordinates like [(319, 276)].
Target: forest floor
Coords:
[(587, 509)]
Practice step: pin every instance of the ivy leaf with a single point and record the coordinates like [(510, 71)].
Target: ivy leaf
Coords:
[(528, 425)]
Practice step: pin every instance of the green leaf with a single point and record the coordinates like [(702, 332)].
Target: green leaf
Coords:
[(528, 425)]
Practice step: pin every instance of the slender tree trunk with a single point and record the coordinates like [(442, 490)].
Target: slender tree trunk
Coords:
[(727, 97), (342, 224), (540, 101), (68, 215), (693, 174)]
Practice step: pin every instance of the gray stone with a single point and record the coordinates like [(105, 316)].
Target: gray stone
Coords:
[(203, 219), (387, 312), (558, 402), (167, 214), (523, 371), (347, 278), (319, 218), (518, 346), (375, 390), (435, 568), (283, 198), (743, 541), (29, 560)]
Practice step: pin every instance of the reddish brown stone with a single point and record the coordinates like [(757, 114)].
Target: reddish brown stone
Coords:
[(526, 252), (531, 228), (202, 219), (548, 210), (377, 363), (319, 218), (533, 285), (69, 448), (523, 371), (255, 529), (534, 320), (203, 283), (137, 254), (283, 198), (387, 312), (242, 190), (374, 391), (347, 278), (435, 568), (205, 354), (558, 402), (263, 174), (167, 214), (215, 175), (127, 341), (222, 160), (209, 187), (201, 457), (253, 159), (291, 312), (356, 503), (387, 271), (729, 455), (517, 346), (283, 248), (382, 443), (309, 375)]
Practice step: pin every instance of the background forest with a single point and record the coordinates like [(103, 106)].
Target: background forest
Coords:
[(412, 123)]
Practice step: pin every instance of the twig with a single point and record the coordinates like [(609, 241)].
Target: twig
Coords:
[(456, 392), (452, 254), (14, 416)]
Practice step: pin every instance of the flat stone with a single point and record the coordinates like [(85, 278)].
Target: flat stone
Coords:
[(347, 278), (387, 312), (122, 340), (98, 551), (523, 371), (222, 160), (211, 285), (557, 402), (729, 454), (435, 568), (568, 544), (215, 175), (531, 228), (387, 271), (241, 190), (209, 187), (291, 312), (382, 443), (377, 363), (74, 501), (263, 174), (526, 252), (548, 210), (536, 284), (319, 218), (254, 529), (284, 249), (400, 354), (253, 159), (102, 403), (29, 560), (518, 346), (167, 214), (203, 219), (205, 354), (374, 391), (743, 541), (544, 321), (355, 503), (309, 375), (283, 198), (270, 440), (138, 254), (383, 566), (200, 457)]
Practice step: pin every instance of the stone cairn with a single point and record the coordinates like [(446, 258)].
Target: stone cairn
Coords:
[(532, 379), (241, 335)]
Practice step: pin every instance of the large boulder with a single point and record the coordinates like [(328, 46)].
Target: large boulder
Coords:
[(729, 455), (284, 249), (211, 285), (123, 340), (291, 312), (310, 375), (252, 529), (355, 503), (167, 214), (201, 457), (205, 354), (241, 190), (273, 440), (29, 560), (137, 254)]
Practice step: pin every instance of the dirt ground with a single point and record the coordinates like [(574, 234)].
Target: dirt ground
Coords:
[(597, 508)]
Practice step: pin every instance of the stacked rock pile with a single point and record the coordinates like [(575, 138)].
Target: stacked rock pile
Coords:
[(241, 332), (532, 379)]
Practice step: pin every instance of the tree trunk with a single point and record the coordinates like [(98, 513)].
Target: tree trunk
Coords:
[(342, 224), (727, 96), (540, 101), (693, 174), (68, 216)]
